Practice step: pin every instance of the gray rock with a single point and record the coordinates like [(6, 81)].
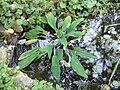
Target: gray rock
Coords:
[(24, 81), (4, 55)]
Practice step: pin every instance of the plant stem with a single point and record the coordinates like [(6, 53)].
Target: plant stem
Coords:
[(106, 27), (114, 70)]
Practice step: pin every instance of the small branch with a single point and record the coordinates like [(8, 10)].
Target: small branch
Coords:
[(114, 70), (117, 24), (106, 27), (67, 52)]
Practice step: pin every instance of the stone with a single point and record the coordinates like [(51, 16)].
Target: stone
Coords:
[(4, 55), (23, 80)]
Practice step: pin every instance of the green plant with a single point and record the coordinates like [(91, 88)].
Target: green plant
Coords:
[(60, 46), (44, 85), (32, 13), (34, 33), (15, 14), (6, 78)]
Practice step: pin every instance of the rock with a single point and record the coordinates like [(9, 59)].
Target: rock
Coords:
[(21, 42), (107, 36), (4, 55), (105, 87), (24, 81), (10, 37)]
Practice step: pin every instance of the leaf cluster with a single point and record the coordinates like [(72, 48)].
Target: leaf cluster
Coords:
[(59, 47), (6, 78)]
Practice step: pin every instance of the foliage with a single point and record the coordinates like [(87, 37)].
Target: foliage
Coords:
[(59, 46), (28, 57), (6, 80), (44, 85), (64, 17), (32, 12), (34, 33)]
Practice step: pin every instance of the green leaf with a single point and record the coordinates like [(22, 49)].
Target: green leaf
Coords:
[(35, 85), (41, 85), (58, 87), (66, 23), (51, 20), (19, 21), (81, 52), (26, 61), (116, 83), (28, 53), (77, 67), (34, 33), (90, 3), (74, 24), (55, 68), (59, 54), (62, 5), (76, 34), (63, 41), (60, 33), (27, 57), (42, 19), (48, 49)]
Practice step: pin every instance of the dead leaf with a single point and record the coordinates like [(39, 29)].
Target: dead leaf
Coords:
[(10, 31), (30, 41), (66, 63), (23, 1), (10, 37), (105, 87)]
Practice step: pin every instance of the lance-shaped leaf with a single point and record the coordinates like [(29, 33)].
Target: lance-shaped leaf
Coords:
[(77, 67), (25, 62), (74, 24), (63, 41), (34, 33), (55, 68), (28, 53), (51, 20), (59, 54), (76, 33), (66, 23), (27, 57), (48, 49), (81, 52)]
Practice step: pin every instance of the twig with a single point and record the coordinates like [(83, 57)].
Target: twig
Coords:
[(114, 70), (106, 27)]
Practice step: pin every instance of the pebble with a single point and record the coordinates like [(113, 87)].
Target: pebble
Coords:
[(21, 42), (107, 36)]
